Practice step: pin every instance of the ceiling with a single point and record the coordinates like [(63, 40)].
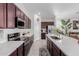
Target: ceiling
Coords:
[(43, 8), (51, 10), (65, 9)]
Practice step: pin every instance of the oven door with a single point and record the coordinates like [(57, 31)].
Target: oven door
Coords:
[(17, 39)]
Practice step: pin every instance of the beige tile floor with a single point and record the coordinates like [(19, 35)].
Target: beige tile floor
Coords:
[(34, 51)]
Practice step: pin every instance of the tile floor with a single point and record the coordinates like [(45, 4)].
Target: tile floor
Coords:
[(34, 51)]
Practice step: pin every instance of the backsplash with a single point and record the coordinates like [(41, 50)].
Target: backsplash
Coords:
[(1, 36), (5, 32)]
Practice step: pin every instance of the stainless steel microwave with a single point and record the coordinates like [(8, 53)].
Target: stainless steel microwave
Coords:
[(19, 23)]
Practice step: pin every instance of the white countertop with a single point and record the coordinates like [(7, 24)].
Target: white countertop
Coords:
[(67, 45), (8, 47)]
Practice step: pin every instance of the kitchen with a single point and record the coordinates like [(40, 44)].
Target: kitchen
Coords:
[(28, 29), (16, 36)]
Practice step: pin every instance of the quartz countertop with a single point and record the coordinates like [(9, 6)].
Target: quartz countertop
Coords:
[(8, 47), (67, 45)]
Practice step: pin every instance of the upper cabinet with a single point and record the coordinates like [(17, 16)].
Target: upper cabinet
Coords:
[(26, 22), (10, 15), (44, 24), (29, 23), (2, 15), (18, 12), (22, 15)]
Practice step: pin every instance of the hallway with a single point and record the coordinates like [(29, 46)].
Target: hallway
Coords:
[(34, 51)]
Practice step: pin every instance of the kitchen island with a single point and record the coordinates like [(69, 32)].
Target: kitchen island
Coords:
[(11, 48), (65, 46)]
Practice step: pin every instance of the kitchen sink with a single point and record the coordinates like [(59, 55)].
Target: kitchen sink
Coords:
[(55, 37)]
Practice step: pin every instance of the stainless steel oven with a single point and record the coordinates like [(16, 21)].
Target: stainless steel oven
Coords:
[(14, 37)]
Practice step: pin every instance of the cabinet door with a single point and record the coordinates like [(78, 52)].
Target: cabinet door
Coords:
[(26, 22), (56, 50), (10, 15), (2, 15), (20, 50), (18, 12), (22, 15), (26, 49), (29, 23), (48, 45), (50, 48)]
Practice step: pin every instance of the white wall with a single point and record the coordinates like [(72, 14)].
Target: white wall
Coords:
[(37, 27)]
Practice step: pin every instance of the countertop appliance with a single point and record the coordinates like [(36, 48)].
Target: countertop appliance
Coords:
[(14, 37)]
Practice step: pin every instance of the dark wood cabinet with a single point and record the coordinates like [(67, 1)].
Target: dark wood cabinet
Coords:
[(18, 12), (2, 15), (20, 50), (53, 49), (48, 45), (14, 53), (22, 15), (56, 50), (8, 12), (10, 15), (29, 23), (26, 22), (26, 49), (44, 24), (27, 45)]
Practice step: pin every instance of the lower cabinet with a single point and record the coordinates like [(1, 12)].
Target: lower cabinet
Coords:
[(18, 51), (14, 53), (48, 45), (26, 49), (53, 49), (56, 50), (27, 45)]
